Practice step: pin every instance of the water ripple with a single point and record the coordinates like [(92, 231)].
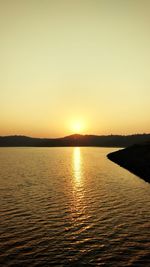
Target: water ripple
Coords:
[(71, 207)]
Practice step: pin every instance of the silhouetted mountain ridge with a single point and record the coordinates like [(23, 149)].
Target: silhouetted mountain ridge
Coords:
[(75, 140)]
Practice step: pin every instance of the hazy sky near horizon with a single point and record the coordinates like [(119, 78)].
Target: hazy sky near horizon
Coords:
[(62, 61)]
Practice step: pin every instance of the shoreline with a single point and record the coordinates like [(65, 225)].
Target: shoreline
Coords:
[(135, 159)]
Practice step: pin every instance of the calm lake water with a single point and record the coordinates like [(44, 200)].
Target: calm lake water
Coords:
[(71, 207)]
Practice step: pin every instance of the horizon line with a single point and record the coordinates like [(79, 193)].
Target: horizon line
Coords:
[(74, 134)]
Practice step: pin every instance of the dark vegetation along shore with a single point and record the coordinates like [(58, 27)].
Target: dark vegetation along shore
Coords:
[(75, 140), (135, 158)]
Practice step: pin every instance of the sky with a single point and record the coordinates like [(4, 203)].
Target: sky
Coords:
[(68, 65)]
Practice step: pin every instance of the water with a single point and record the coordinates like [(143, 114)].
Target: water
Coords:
[(71, 207)]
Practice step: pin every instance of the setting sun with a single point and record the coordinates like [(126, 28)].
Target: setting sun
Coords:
[(77, 127)]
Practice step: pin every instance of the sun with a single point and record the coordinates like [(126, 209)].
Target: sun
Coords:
[(77, 127)]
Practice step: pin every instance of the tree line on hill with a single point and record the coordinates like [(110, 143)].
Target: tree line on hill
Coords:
[(75, 140)]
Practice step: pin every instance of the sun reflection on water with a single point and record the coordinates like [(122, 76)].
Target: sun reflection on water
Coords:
[(78, 185), (77, 165), (78, 206)]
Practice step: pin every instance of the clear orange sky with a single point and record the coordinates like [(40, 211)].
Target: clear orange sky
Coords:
[(66, 61)]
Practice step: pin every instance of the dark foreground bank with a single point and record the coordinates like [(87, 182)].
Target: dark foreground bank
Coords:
[(135, 158)]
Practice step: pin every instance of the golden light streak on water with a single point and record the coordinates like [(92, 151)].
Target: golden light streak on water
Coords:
[(78, 203), (77, 162)]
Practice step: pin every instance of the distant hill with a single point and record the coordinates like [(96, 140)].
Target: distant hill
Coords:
[(75, 140), (135, 158)]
